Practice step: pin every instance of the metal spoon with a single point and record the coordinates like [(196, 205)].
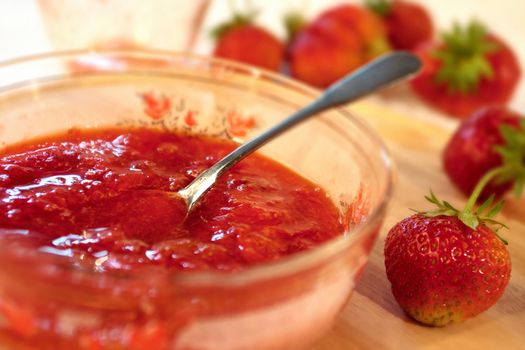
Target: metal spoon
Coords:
[(379, 73)]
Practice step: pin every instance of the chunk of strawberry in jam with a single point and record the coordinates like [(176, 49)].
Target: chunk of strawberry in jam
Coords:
[(147, 215)]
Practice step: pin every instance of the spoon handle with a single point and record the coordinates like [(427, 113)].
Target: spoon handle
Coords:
[(379, 73)]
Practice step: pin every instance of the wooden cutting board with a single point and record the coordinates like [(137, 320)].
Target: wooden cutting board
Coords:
[(373, 320)]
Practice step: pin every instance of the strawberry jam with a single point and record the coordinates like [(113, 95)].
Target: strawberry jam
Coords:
[(107, 195)]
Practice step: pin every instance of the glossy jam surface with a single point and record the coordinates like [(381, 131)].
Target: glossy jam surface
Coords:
[(103, 195)]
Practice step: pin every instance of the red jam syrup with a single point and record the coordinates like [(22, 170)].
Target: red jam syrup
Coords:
[(105, 194)]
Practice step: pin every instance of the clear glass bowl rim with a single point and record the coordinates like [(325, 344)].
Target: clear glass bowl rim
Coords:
[(282, 267)]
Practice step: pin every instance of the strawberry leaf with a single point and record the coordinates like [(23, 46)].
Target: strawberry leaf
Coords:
[(485, 205), (433, 213), (518, 186), (495, 210), (469, 219), (497, 225), (500, 237), (448, 205), (444, 207)]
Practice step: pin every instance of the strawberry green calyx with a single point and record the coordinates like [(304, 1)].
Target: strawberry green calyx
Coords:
[(238, 20), (379, 7), (463, 58), (483, 215), (294, 22), (513, 154)]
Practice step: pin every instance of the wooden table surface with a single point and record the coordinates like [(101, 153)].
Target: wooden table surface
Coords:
[(373, 320)]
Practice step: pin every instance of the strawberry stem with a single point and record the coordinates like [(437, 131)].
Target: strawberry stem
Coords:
[(491, 175), (473, 218)]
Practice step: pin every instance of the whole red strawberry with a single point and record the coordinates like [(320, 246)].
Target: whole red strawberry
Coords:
[(338, 41), (368, 27), (242, 41), (469, 69), (408, 24), (492, 138), (320, 59), (445, 265)]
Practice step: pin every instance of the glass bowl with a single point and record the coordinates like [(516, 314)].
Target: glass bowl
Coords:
[(285, 304)]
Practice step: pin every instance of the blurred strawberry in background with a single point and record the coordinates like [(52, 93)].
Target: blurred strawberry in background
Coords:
[(468, 69), (408, 24), (464, 70), (241, 40), (338, 41), (364, 23), (492, 140)]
